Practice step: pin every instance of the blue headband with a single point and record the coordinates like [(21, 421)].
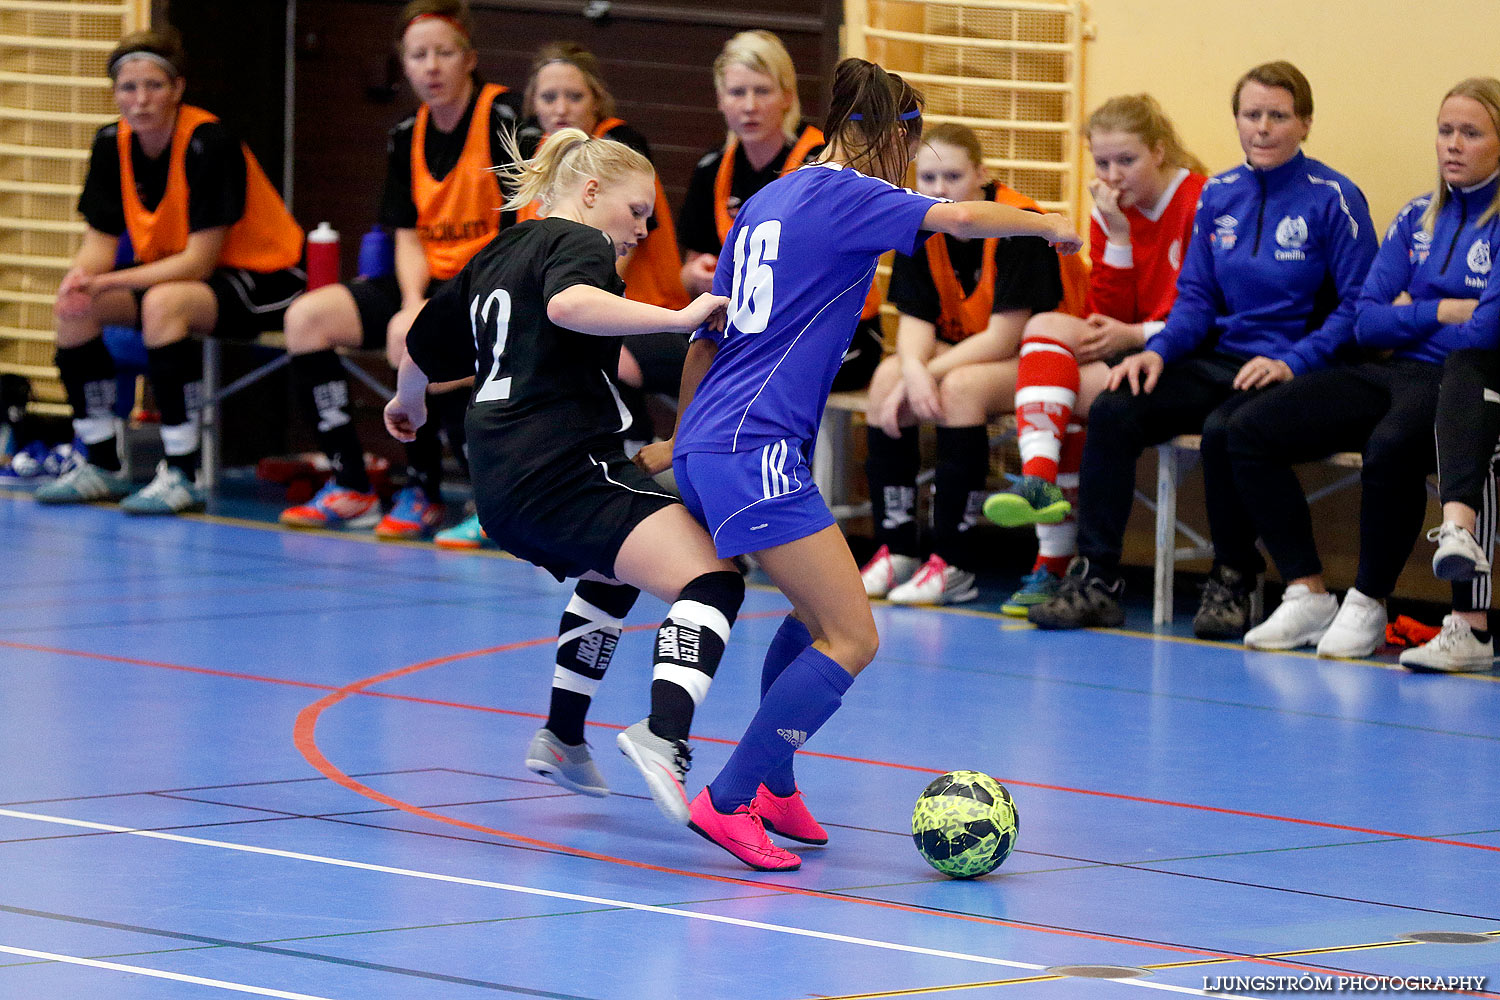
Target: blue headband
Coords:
[(908, 116)]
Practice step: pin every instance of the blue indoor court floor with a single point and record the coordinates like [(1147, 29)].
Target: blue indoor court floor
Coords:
[(247, 761)]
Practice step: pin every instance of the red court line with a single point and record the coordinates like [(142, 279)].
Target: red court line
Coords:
[(305, 738), (359, 689)]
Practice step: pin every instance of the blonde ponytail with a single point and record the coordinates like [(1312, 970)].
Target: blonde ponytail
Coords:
[(565, 158)]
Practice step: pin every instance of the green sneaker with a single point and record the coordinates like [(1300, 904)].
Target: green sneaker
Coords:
[(466, 535), (1030, 500), (1036, 587)]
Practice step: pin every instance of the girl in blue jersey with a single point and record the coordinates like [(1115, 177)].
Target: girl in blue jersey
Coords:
[(1280, 248), (1428, 293), (796, 265)]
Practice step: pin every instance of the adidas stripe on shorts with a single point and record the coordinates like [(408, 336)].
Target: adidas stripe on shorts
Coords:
[(752, 500)]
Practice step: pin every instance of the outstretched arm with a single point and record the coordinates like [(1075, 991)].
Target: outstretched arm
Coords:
[(587, 309), (988, 219)]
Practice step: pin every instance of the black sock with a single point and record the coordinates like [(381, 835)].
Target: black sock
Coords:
[(324, 388), (586, 640), (892, 468), (176, 379), (963, 464), (689, 645), (88, 377)]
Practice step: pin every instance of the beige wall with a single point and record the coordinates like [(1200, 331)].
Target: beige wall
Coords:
[(1378, 70)]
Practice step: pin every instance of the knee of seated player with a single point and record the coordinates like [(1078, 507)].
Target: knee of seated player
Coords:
[(1058, 327), (168, 311), (969, 394), (1396, 453), (314, 322)]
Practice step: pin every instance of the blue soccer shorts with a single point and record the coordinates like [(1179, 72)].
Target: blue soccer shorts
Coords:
[(752, 500)]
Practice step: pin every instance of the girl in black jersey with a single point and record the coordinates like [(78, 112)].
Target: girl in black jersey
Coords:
[(443, 204), (541, 305)]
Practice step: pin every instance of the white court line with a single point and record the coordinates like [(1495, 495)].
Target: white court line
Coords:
[(260, 991), (570, 896)]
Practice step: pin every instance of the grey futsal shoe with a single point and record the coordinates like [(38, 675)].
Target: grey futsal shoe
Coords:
[(571, 767), (1083, 600), (664, 764), (1224, 611)]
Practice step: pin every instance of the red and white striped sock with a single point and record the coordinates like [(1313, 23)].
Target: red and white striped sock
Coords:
[(1046, 391), (1058, 543)]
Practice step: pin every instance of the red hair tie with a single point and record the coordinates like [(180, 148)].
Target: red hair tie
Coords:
[(446, 19)]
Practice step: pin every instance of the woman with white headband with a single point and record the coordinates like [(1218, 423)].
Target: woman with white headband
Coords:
[(215, 253)]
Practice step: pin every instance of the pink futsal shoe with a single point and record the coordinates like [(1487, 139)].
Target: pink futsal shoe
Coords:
[(741, 834), (788, 817)]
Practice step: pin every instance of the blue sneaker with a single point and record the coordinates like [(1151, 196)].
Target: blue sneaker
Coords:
[(1036, 587), (28, 463), (412, 516), (171, 492), (1030, 500), (467, 535)]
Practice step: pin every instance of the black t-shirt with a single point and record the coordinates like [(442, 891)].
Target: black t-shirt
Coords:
[(697, 230), (546, 388), (442, 150), (214, 164), (1027, 275)]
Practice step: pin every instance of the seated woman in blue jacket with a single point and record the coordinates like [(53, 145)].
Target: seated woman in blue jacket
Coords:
[(1427, 294), (1280, 248)]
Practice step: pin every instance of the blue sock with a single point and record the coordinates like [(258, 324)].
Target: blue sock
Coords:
[(806, 694), (790, 640)]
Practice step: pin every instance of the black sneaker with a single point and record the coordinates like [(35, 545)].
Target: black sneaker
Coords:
[(1224, 611), (1083, 600)]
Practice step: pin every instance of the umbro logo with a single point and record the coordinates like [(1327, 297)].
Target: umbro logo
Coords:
[(795, 737)]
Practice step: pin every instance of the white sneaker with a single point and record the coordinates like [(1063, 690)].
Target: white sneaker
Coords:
[(170, 492), (936, 583), (886, 569), (1454, 650), (1458, 557), (1300, 620), (1357, 630)]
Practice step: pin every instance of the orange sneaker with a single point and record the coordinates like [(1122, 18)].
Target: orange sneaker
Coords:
[(334, 507)]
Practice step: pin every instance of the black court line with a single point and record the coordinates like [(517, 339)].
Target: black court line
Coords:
[(231, 784), (346, 818), (265, 949), (1226, 954)]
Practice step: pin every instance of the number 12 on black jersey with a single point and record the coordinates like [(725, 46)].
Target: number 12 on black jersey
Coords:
[(494, 317)]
